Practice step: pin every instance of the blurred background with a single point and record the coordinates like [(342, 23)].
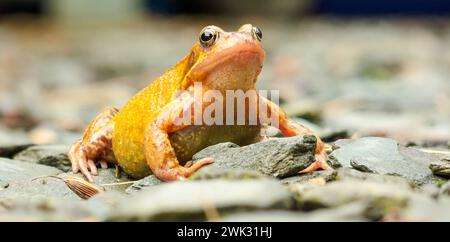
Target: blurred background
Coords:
[(348, 68)]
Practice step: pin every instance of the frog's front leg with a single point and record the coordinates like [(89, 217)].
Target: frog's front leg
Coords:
[(94, 146), (291, 128), (158, 150)]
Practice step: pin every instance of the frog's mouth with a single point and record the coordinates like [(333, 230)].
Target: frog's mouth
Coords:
[(232, 68)]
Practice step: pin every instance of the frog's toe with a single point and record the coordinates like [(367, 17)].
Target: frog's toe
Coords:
[(199, 164), (79, 160), (317, 165), (84, 170), (75, 167), (320, 163), (182, 172), (72, 154), (92, 167), (103, 164)]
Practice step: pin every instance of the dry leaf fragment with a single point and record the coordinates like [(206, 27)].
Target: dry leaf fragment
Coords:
[(79, 186)]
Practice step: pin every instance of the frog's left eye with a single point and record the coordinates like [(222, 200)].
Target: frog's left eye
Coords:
[(257, 33), (208, 37)]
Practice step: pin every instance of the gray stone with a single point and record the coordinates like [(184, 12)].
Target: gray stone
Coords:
[(12, 170), (19, 174), (211, 172), (317, 176), (278, 157), (12, 141), (347, 213), (352, 175), (430, 190), (199, 200), (50, 208), (37, 152), (60, 161), (385, 156), (265, 216), (341, 142), (145, 182), (9, 151), (423, 209), (445, 189), (441, 168), (379, 199), (27, 208), (350, 212), (51, 155)]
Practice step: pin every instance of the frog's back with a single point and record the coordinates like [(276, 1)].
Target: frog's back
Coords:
[(132, 119)]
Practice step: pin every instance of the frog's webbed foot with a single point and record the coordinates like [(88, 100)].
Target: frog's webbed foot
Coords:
[(291, 128), (95, 146), (182, 172), (320, 163)]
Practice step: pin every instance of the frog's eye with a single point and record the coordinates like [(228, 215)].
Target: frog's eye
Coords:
[(257, 33), (208, 37)]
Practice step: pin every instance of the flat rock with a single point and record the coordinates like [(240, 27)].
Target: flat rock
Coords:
[(60, 161), (379, 199), (322, 176), (441, 168), (352, 175), (37, 152), (9, 151), (423, 209), (47, 208), (12, 141), (13, 170), (341, 142), (346, 174), (143, 183), (278, 157), (19, 174), (211, 172), (264, 216), (51, 155), (347, 213), (198, 200), (385, 156), (445, 189), (36, 209)]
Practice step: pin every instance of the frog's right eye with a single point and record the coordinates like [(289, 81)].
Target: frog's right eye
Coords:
[(208, 37)]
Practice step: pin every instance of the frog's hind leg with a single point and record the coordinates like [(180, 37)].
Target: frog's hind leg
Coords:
[(291, 128), (158, 150), (95, 146)]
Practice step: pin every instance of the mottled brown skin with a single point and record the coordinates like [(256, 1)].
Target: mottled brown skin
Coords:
[(143, 138)]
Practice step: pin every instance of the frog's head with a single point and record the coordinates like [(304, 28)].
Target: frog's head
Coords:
[(227, 60)]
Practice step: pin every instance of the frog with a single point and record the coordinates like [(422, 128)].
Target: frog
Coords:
[(146, 136)]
